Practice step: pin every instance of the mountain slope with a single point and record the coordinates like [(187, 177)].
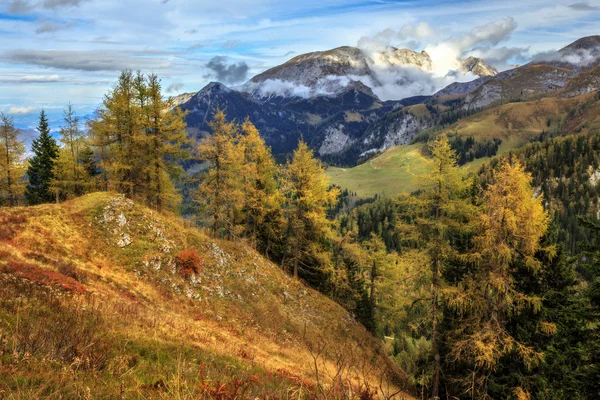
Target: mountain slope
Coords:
[(122, 301), (512, 125), (548, 73)]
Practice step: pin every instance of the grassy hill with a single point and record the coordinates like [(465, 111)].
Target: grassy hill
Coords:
[(395, 171), (103, 298), (392, 172)]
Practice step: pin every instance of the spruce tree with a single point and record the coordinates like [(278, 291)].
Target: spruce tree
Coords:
[(45, 152)]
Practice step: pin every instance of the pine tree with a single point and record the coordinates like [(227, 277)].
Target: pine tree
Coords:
[(220, 191), (45, 152), (307, 199), (12, 168)]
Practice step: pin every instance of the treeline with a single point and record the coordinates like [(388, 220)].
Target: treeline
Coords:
[(469, 149), (132, 146), (477, 295)]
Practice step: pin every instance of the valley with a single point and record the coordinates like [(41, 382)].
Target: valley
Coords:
[(263, 200)]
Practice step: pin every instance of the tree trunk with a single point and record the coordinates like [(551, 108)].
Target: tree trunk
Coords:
[(372, 295)]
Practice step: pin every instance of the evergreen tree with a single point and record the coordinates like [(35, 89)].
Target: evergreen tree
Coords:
[(45, 152), (12, 168), (559, 329)]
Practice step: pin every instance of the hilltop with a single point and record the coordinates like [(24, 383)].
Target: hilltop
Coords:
[(101, 296)]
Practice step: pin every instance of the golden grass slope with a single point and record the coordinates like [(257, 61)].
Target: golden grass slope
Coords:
[(93, 305)]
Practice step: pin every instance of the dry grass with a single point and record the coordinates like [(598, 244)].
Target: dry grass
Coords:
[(235, 326)]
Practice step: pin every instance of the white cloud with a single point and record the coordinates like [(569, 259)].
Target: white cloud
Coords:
[(20, 110)]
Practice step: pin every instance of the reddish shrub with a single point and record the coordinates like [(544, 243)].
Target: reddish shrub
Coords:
[(42, 276), (16, 219), (70, 270), (7, 225), (189, 262)]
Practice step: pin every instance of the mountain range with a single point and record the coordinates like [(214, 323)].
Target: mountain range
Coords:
[(341, 101)]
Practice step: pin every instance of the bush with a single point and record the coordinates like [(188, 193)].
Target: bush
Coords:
[(69, 269), (189, 262)]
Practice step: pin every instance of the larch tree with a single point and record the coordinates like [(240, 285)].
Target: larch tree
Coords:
[(220, 192), (510, 227), (262, 199), (114, 133), (69, 177), (12, 168), (439, 215), (139, 137), (165, 137), (307, 197), (39, 172)]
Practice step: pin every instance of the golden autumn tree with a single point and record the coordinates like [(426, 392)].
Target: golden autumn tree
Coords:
[(70, 178), (220, 192), (438, 215), (116, 133), (307, 198), (262, 199), (139, 137), (164, 137), (12, 163), (510, 228)]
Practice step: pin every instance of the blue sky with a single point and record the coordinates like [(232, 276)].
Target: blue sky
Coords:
[(57, 51)]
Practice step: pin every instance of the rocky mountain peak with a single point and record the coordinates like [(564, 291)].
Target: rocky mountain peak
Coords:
[(477, 66)]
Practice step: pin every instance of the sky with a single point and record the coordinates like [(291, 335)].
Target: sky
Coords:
[(53, 52)]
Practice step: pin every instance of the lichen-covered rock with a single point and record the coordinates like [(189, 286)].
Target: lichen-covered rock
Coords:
[(125, 240)]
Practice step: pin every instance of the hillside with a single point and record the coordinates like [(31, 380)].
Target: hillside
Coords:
[(514, 124), (103, 298)]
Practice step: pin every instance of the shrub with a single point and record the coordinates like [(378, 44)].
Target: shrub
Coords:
[(69, 269), (189, 262)]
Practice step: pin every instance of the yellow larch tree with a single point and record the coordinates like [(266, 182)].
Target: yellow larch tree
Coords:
[(220, 191), (307, 197), (12, 163), (262, 199), (510, 227)]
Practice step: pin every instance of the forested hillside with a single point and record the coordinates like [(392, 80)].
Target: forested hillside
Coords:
[(475, 276)]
